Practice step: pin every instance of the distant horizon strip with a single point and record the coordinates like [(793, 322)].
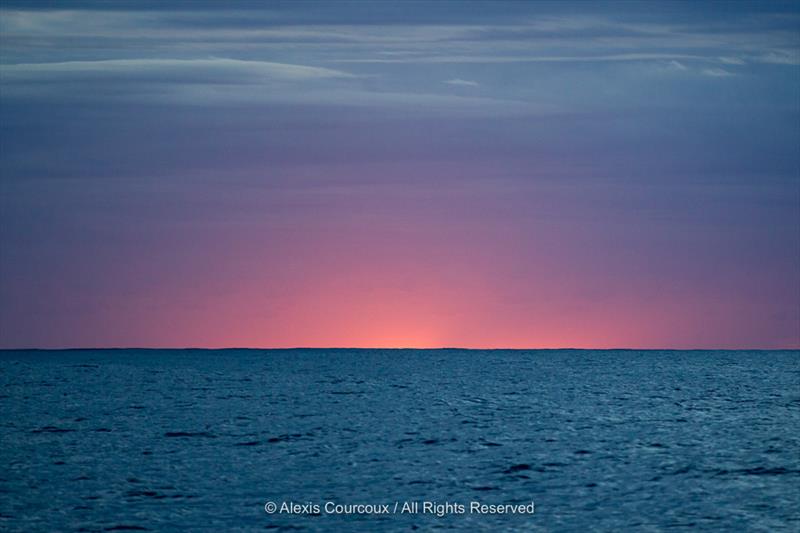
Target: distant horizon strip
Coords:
[(441, 348)]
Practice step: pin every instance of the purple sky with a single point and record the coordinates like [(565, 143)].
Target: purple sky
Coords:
[(468, 174)]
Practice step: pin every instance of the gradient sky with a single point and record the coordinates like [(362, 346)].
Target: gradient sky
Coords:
[(471, 174)]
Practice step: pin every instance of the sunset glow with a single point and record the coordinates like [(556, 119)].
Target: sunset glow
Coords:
[(310, 176)]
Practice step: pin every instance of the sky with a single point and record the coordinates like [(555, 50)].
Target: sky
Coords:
[(410, 174)]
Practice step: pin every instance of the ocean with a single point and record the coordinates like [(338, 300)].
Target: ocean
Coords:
[(396, 440)]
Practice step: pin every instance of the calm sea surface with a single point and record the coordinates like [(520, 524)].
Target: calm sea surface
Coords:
[(202, 440)]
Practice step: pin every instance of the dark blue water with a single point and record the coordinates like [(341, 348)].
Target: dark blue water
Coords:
[(202, 440)]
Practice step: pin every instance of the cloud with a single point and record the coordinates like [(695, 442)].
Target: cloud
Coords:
[(209, 56), (221, 81), (732, 60), (165, 79), (564, 37), (781, 57), (717, 72), (525, 59), (464, 83), (230, 70), (676, 65)]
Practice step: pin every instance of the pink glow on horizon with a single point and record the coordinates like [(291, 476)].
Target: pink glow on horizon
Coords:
[(429, 292)]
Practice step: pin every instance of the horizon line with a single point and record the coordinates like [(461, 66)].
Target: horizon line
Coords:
[(430, 348)]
